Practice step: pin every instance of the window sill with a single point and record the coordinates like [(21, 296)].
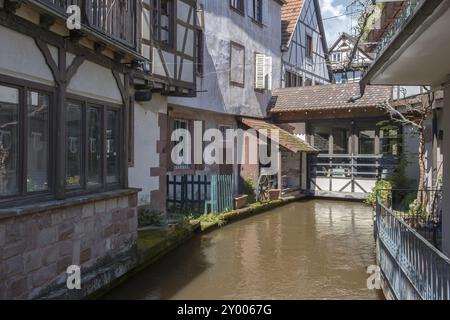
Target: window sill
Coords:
[(258, 23), (238, 11), (20, 210)]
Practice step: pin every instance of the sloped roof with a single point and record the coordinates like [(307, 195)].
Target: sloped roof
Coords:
[(286, 139), (290, 13), (353, 40), (327, 97)]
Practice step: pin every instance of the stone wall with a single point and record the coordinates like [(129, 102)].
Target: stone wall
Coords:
[(38, 243)]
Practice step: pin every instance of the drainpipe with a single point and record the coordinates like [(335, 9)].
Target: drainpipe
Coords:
[(362, 90)]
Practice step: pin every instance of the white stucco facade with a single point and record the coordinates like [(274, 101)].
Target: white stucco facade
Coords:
[(222, 25), (146, 137)]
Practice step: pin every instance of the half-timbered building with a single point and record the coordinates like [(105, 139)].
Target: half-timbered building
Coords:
[(83, 102), (354, 151), (305, 50)]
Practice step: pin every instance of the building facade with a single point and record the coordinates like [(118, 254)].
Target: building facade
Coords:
[(419, 30), (305, 51), (82, 86), (345, 71)]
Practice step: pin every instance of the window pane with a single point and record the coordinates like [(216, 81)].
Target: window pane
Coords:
[(322, 139), (367, 142), (112, 146), (9, 106), (94, 153), (340, 140), (74, 150), (37, 141)]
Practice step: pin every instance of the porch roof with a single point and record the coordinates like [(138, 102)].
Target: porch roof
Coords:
[(286, 139), (327, 97)]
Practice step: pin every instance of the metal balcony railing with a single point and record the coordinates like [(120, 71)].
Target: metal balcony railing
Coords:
[(412, 266), (115, 19), (407, 12)]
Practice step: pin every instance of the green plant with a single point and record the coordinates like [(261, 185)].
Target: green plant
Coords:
[(149, 217), (416, 209), (249, 190), (383, 188), (409, 199)]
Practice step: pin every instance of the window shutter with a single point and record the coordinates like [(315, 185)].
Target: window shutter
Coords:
[(268, 72), (260, 71)]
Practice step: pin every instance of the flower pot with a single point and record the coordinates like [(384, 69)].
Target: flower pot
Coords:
[(274, 194), (240, 201)]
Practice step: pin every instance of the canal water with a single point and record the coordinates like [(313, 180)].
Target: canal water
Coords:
[(316, 249)]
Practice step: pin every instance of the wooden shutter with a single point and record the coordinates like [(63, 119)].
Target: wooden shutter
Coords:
[(260, 62), (268, 72)]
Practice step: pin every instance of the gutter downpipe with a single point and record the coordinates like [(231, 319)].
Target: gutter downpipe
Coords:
[(362, 90)]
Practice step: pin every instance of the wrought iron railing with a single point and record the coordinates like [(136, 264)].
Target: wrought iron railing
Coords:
[(408, 10), (412, 266), (421, 210), (115, 19)]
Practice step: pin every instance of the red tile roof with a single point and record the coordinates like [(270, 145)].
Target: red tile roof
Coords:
[(290, 13), (327, 97)]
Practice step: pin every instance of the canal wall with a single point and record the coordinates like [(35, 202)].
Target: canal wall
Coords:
[(39, 242)]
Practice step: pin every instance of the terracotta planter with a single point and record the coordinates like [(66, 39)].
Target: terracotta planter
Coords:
[(274, 194), (240, 201)]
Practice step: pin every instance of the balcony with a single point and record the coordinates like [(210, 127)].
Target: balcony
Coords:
[(393, 25), (410, 52), (114, 19), (412, 267)]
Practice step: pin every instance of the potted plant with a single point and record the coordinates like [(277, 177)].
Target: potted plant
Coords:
[(240, 201), (274, 194)]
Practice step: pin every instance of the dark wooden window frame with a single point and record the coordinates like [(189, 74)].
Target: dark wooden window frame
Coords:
[(23, 86), (85, 103), (234, 83), (199, 66), (172, 23), (257, 16), (309, 51), (240, 8)]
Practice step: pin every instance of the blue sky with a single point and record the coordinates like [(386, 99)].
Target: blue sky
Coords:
[(333, 27)]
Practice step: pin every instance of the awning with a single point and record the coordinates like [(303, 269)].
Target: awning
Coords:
[(286, 139)]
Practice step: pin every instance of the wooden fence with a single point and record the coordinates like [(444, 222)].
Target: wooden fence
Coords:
[(198, 194)]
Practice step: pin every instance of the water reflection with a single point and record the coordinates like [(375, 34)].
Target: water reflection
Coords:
[(307, 250)]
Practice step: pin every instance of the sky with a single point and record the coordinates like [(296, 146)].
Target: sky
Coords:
[(335, 26)]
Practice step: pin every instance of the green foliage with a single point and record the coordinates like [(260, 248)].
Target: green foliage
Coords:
[(416, 209), (149, 217), (210, 219), (399, 179), (409, 199), (383, 189), (249, 190)]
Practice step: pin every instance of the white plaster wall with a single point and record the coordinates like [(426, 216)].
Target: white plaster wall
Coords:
[(21, 58), (146, 136), (300, 130), (96, 82), (446, 185), (223, 25)]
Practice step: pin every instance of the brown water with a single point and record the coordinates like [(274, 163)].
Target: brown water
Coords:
[(315, 249)]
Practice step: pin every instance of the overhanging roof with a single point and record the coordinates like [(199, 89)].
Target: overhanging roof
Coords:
[(286, 139), (417, 53), (326, 97)]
